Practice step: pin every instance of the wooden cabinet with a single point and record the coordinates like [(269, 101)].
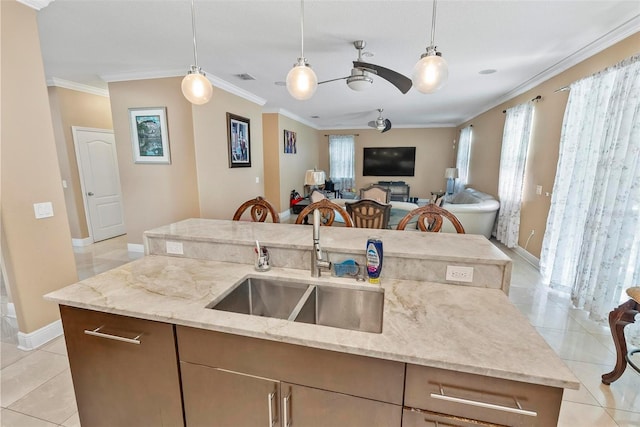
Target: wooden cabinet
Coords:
[(125, 370), (313, 387), (469, 398)]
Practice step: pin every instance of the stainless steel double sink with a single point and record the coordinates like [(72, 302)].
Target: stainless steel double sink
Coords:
[(357, 308)]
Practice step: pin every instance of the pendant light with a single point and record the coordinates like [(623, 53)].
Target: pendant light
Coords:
[(431, 71), (195, 85), (302, 81)]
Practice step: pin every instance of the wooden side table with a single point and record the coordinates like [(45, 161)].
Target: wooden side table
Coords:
[(622, 316)]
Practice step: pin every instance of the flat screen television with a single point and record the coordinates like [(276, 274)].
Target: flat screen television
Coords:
[(389, 161)]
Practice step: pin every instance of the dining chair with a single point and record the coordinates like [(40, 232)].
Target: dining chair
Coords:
[(430, 218), (368, 213), (260, 208), (328, 211), (376, 192)]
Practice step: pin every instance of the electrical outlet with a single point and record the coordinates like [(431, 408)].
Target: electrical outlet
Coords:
[(43, 210), (457, 273), (175, 248)]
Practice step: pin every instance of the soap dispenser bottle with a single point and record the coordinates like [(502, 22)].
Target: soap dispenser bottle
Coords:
[(374, 259)]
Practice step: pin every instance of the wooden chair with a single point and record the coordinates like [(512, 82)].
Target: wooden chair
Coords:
[(260, 210), (620, 317), (328, 211), (376, 192), (430, 219), (369, 213)]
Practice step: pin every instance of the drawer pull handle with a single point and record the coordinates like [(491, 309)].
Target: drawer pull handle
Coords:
[(270, 398), (96, 333), (517, 410)]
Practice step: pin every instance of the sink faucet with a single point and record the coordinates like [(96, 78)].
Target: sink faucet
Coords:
[(317, 263)]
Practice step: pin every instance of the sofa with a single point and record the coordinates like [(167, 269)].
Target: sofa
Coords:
[(476, 211)]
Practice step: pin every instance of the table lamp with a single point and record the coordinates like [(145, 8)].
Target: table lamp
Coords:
[(314, 179), (450, 174)]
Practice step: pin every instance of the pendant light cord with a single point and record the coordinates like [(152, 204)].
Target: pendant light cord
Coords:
[(302, 28), (193, 27), (433, 23)]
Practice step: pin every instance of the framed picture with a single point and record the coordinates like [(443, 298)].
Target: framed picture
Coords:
[(290, 142), (238, 129), (149, 135)]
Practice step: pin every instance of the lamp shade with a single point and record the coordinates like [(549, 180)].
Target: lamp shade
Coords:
[(451, 173), (314, 177), (302, 81), (430, 73), (196, 87)]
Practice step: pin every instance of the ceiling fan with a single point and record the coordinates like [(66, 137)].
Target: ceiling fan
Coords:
[(380, 123), (360, 78)]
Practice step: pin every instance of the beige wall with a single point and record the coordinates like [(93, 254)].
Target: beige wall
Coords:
[(434, 153), (155, 194), (37, 253), (270, 132), (73, 108), (543, 151), (223, 189)]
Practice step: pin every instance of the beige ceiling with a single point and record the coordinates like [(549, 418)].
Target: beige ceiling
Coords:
[(92, 42)]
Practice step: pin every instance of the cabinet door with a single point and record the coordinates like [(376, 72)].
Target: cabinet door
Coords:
[(125, 370), (310, 407), (216, 397)]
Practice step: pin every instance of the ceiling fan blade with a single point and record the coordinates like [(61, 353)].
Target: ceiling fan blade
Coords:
[(387, 125), (333, 80), (372, 124), (398, 80)]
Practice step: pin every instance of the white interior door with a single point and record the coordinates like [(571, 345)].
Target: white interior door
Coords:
[(100, 181)]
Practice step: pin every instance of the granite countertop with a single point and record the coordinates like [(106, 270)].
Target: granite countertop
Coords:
[(466, 329), (472, 248)]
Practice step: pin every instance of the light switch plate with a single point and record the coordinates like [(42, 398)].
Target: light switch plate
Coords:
[(456, 273), (43, 210), (539, 190), (175, 248)]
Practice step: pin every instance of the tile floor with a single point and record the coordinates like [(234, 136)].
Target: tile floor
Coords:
[(36, 387)]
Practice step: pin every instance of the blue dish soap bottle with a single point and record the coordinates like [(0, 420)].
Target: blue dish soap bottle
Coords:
[(374, 259)]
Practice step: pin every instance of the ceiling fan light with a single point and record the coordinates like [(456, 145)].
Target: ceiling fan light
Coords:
[(431, 72), (302, 81), (196, 87), (359, 83)]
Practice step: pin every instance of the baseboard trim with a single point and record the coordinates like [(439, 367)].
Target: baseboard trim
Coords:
[(11, 310), (79, 243), (284, 215), (134, 247), (38, 338), (531, 259)]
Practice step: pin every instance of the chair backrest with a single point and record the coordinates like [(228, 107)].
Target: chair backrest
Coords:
[(367, 213), (377, 193), (328, 211), (430, 219), (260, 210)]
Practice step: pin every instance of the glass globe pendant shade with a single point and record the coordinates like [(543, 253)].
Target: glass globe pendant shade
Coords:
[(302, 81), (196, 87), (430, 72)]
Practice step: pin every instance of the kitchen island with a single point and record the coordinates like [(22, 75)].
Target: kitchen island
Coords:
[(467, 342)]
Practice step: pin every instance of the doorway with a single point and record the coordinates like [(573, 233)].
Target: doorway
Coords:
[(99, 181)]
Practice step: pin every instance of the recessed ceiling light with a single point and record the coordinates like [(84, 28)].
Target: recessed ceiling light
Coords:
[(280, 83), (315, 117), (487, 71)]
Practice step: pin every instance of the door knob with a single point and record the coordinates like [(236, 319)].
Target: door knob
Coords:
[(90, 193)]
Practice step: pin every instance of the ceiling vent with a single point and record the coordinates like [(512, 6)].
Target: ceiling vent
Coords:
[(245, 76)]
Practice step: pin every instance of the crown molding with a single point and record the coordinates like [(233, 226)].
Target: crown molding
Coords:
[(56, 82), (36, 4), (619, 33), (216, 81), (291, 115), (405, 126)]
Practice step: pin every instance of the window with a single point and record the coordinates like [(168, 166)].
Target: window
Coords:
[(463, 158), (342, 161)]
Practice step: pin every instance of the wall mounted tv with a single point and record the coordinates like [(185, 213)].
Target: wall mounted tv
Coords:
[(389, 161)]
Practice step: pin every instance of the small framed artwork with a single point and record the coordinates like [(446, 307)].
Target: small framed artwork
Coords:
[(290, 142), (149, 135), (238, 129)]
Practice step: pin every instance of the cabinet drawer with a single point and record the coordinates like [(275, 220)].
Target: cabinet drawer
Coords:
[(478, 397), (124, 370), (418, 418), (329, 370)]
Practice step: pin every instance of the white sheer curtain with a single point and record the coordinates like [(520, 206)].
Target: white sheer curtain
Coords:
[(462, 160), (591, 244), (342, 161), (513, 157)]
